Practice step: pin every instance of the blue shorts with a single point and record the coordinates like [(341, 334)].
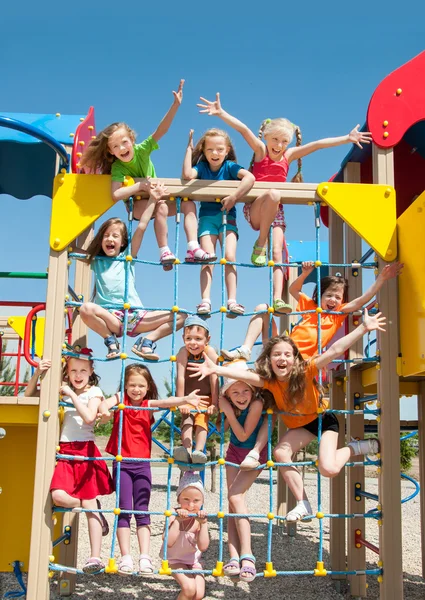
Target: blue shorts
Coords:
[(213, 225)]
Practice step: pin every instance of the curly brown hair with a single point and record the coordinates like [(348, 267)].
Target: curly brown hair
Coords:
[(138, 369), (95, 247), (97, 158), (198, 151), (327, 282)]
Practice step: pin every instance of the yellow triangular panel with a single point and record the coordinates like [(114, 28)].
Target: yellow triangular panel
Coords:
[(78, 200), (18, 325), (368, 209)]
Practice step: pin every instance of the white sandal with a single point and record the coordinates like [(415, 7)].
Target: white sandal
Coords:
[(125, 566), (145, 565), (301, 512), (234, 309), (204, 308)]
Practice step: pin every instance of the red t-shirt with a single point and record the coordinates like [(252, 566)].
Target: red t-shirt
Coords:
[(271, 170), (136, 432)]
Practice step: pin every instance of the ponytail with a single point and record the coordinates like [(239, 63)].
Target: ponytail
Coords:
[(298, 177)]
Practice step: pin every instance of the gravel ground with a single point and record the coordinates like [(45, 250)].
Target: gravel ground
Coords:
[(299, 553)]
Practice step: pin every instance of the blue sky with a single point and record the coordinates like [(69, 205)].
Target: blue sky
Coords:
[(315, 63)]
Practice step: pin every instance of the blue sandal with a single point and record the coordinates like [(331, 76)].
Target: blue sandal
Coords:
[(145, 348), (248, 572), (113, 346)]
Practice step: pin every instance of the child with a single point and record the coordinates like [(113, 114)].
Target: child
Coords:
[(271, 162), (333, 298), (281, 369), (31, 389), (135, 477), (77, 483), (114, 151), (214, 158), (196, 337), (109, 243), (242, 408), (188, 537)]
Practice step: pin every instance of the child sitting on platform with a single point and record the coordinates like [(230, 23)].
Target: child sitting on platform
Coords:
[(214, 158), (281, 369), (107, 256), (196, 337), (140, 392), (270, 162), (114, 151)]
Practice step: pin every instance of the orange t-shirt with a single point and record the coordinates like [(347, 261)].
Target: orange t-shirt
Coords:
[(305, 334), (303, 412)]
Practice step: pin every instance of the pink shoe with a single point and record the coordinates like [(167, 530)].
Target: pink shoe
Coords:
[(167, 259), (199, 255)]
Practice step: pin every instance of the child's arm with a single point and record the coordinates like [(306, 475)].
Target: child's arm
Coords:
[(296, 286), (43, 367), (203, 535), (164, 125), (106, 405), (173, 531), (193, 399), (242, 432), (201, 370), (354, 137), (180, 380), (157, 191), (215, 109), (340, 346), (188, 172), (122, 192), (87, 413), (212, 354), (388, 272), (247, 181)]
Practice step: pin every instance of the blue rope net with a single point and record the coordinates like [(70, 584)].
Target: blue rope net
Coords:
[(168, 417)]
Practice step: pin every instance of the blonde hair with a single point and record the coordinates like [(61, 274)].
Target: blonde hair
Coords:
[(97, 157), (198, 152), (282, 125)]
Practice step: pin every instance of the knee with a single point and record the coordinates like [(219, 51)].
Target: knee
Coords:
[(275, 196), (188, 207), (189, 587), (231, 256), (124, 520), (181, 318), (235, 503), (282, 455), (87, 309), (161, 210), (328, 470), (58, 497), (260, 307)]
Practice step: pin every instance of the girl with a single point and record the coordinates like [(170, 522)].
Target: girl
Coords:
[(110, 245), (333, 298), (77, 483), (31, 389), (214, 158), (242, 408), (114, 151), (271, 162), (196, 337), (188, 537), (281, 369), (140, 391)]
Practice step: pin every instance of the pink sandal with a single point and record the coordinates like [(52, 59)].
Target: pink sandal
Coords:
[(199, 255), (204, 308), (167, 259)]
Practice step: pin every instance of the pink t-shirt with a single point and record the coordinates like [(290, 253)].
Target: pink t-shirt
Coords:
[(271, 170)]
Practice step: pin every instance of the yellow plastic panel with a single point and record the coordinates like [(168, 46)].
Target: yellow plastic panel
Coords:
[(78, 200), (411, 231), (368, 209), (18, 324), (17, 414)]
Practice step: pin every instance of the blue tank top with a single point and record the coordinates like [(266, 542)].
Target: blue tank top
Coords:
[(250, 442)]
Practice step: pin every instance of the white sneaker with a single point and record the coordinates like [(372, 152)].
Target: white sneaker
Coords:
[(369, 446), (242, 352), (302, 512)]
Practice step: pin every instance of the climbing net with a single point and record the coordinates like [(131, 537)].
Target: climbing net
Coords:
[(168, 417)]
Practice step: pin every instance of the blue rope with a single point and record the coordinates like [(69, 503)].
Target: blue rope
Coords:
[(18, 574)]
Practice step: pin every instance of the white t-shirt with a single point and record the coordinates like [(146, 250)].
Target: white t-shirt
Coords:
[(74, 429)]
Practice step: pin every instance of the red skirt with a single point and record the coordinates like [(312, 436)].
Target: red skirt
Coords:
[(84, 480)]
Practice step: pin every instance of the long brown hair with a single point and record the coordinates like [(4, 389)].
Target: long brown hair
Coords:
[(296, 379), (97, 157), (138, 369), (95, 247), (327, 282), (198, 151), (269, 125)]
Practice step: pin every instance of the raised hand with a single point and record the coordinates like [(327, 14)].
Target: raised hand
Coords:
[(202, 370), (212, 409), (392, 270), (202, 516), (308, 266), (157, 191), (195, 400), (44, 365), (211, 108), (182, 514), (190, 140), (178, 96), (376, 322), (65, 390), (359, 137)]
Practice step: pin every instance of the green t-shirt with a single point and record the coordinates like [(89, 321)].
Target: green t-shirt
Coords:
[(140, 165)]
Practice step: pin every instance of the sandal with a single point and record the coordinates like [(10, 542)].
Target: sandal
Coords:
[(93, 565), (259, 256), (204, 308), (281, 308), (199, 457), (232, 568), (145, 565), (125, 566), (167, 259), (301, 512), (113, 346), (234, 309), (247, 573), (199, 255), (249, 462), (239, 353), (105, 525), (145, 348)]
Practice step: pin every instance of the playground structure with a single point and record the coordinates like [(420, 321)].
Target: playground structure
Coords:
[(367, 184)]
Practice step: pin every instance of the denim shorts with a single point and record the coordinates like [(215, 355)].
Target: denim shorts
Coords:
[(213, 225)]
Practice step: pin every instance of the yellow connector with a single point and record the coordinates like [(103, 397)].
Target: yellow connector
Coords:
[(165, 569), (269, 571), (218, 571), (111, 567), (320, 571)]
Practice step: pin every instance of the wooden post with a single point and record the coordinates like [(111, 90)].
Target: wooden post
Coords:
[(390, 542), (213, 458), (421, 436), (41, 541)]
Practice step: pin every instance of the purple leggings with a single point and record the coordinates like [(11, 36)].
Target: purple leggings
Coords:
[(135, 491)]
